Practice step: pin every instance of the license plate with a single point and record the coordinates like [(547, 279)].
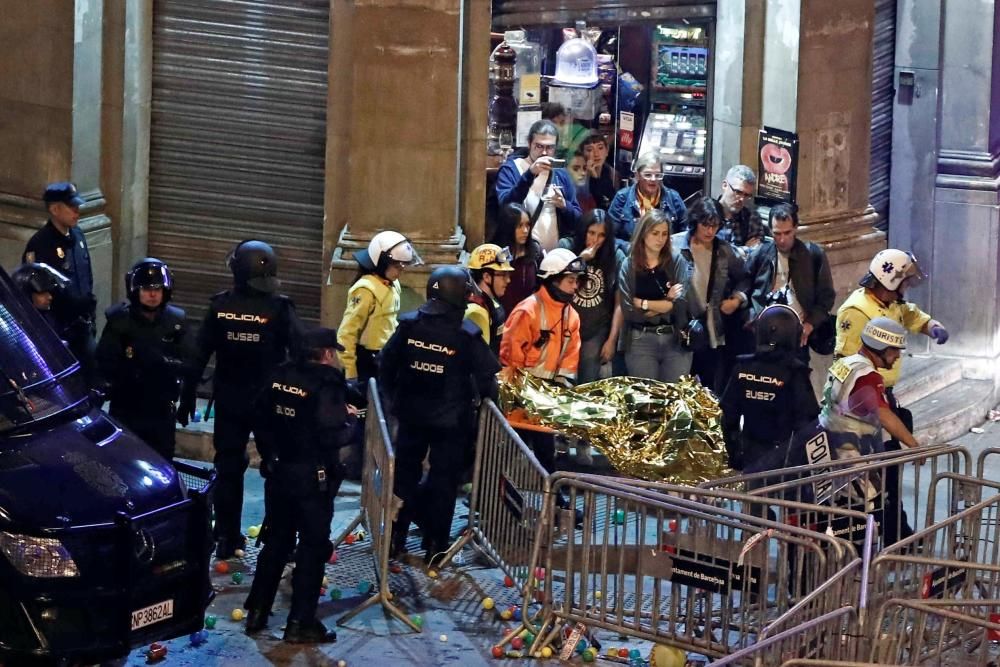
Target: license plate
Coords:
[(154, 613)]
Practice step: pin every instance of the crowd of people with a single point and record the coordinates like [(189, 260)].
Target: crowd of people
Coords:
[(581, 282)]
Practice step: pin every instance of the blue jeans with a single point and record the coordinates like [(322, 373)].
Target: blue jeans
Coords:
[(657, 356)]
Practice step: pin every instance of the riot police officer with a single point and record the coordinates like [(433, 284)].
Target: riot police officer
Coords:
[(143, 355), (61, 245), (303, 427), (770, 392), (41, 284), (434, 368), (251, 330)]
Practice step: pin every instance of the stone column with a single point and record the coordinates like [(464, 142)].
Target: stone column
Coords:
[(817, 82), (406, 141), (50, 123), (964, 242)]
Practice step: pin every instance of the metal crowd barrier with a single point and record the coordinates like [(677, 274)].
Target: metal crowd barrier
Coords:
[(379, 507), (704, 578), (982, 458), (913, 632), (509, 493), (866, 484)]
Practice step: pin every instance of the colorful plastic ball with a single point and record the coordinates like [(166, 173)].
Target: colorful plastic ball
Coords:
[(335, 593), (497, 652), (613, 652), (432, 574), (395, 568), (517, 643), (237, 614), (361, 535), (635, 653), (239, 553), (598, 595), (623, 653), (546, 652), (589, 655), (443, 638), (322, 592), (341, 663), (210, 621), (237, 577), (156, 652), (488, 603), (619, 517), (221, 566), (529, 638), (196, 417), (467, 488), (508, 582), (364, 586), (539, 573), (517, 614), (349, 539), (506, 614), (253, 531), (581, 646), (662, 655)]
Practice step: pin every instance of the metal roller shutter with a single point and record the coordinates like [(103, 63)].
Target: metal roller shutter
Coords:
[(883, 95), (520, 13), (238, 140)]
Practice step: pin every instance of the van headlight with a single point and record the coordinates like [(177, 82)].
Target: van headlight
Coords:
[(38, 556)]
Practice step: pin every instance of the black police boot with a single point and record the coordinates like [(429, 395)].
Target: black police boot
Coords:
[(309, 632), (256, 621)]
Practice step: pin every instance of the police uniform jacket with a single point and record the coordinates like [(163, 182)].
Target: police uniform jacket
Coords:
[(303, 416), (68, 254), (144, 360), (771, 392), (435, 367), (250, 333)]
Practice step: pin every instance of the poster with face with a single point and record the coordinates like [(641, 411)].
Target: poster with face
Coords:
[(778, 157)]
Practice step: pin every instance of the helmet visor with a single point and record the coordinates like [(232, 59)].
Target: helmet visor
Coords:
[(914, 275), (404, 254)]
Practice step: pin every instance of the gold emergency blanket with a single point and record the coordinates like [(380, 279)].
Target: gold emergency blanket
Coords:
[(652, 430)]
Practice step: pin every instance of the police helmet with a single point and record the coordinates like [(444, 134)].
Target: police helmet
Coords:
[(387, 247), (881, 333), (37, 277), (778, 327), (450, 284), (893, 269), (255, 265), (149, 273)]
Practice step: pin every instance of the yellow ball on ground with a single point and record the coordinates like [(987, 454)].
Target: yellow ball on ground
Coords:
[(488, 603), (667, 656), (546, 652), (237, 614), (432, 574), (598, 595), (253, 531)]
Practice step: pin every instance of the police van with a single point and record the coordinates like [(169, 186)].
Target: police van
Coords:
[(104, 545)]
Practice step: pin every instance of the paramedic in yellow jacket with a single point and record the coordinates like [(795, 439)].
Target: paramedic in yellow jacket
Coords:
[(490, 267), (881, 295), (373, 303)]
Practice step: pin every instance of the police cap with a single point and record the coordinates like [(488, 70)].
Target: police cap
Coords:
[(64, 192)]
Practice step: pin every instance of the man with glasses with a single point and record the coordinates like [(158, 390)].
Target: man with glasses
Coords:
[(742, 226), (537, 181), (490, 267), (648, 192)]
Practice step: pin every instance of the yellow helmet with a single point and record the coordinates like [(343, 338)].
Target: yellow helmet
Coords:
[(490, 256)]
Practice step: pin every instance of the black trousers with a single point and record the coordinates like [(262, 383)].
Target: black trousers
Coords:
[(296, 508), (431, 505), (895, 523), (156, 429), (232, 432)]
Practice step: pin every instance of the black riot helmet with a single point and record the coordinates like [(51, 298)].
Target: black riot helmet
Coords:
[(450, 285), (254, 265), (37, 277), (149, 273), (778, 328)]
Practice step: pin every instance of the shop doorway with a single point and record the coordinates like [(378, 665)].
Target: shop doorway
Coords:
[(238, 141)]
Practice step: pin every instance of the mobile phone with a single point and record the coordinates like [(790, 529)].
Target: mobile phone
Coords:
[(556, 162)]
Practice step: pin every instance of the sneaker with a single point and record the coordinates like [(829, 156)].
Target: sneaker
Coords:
[(309, 632)]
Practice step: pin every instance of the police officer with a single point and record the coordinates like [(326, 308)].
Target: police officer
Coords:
[(769, 391), (251, 330), (491, 270), (303, 427), (61, 245), (144, 353), (434, 367), (41, 283)]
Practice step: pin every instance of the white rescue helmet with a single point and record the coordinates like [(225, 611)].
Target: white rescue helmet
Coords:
[(385, 247), (892, 268), (881, 333), (559, 261)]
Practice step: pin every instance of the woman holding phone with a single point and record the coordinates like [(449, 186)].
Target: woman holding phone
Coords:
[(653, 296)]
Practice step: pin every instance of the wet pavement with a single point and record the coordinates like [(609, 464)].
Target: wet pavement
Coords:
[(456, 628)]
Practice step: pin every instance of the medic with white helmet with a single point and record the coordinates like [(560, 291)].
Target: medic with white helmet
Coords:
[(373, 303), (881, 294)]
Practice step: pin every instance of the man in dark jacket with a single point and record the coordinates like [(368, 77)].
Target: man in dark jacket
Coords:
[(144, 354), (303, 424), (434, 368), (741, 226), (791, 272)]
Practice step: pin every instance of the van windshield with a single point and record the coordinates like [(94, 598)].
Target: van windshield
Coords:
[(39, 377)]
